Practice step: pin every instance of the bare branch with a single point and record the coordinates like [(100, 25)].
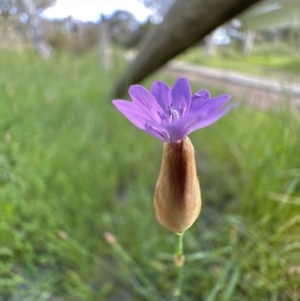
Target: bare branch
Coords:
[(187, 22)]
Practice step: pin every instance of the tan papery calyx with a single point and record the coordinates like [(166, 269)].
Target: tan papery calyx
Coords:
[(177, 198)]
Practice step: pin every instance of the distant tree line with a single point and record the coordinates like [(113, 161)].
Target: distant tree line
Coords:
[(69, 34)]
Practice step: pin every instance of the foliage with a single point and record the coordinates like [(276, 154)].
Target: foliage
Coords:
[(125, 30), (11, 5), (72, 168)]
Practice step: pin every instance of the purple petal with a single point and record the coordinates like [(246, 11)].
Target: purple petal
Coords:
[(199, 121), (162, 94), (203, 93), (176, 132), (218, 102), (157, 131), (181, 95), (169, 132), (132, 112), (207, 106), (143, 97), (198, 100)]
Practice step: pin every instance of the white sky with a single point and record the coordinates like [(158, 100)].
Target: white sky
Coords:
[(90, 10)]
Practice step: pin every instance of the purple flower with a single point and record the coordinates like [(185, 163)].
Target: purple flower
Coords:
[(171, 114)]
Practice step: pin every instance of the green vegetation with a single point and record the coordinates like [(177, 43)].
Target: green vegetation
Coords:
[(271, 60), (72, 168)]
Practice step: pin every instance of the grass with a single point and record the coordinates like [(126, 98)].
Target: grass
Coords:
[(275, 60), (72, 169)]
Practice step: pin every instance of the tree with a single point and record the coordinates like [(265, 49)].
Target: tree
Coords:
[(7, 6), (36, 31), (186, 23), (159, 7), (12, 10)]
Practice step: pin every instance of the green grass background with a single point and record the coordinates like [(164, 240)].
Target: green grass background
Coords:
[(72, 168)]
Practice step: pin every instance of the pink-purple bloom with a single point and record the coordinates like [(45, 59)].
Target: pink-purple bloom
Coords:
[(170, 114)]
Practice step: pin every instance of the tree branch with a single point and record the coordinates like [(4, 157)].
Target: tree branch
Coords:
[(187, 22)]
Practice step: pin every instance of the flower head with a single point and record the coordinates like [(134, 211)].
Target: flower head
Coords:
[(170, 114)]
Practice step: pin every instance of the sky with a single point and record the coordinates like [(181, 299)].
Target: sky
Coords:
[(90, 10)]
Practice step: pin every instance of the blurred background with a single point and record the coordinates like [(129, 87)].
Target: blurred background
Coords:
[(77, 179)]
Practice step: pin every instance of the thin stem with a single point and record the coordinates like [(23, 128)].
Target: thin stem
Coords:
[(179, 245), (179, 262)]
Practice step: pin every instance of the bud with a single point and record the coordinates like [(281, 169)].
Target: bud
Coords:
[(177, 199)]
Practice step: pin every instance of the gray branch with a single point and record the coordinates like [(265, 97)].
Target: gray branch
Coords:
[(186, 23)]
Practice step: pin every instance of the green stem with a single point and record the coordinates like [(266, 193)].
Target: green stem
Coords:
[(179, 262), (179, 244)]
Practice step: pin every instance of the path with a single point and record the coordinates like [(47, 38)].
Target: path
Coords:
[(259, 91)]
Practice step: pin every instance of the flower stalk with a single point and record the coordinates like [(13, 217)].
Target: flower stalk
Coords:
[(179, 263), (179, 256)]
